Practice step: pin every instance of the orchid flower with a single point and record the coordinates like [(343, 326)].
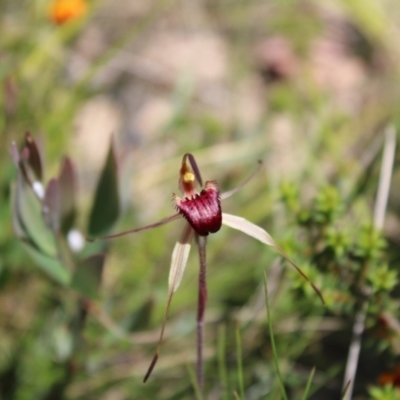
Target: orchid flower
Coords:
[(201, 208)]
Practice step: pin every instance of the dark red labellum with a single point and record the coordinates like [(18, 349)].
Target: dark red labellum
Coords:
[(203, 212)]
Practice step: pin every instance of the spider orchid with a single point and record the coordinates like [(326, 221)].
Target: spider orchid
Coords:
[(202, 211)]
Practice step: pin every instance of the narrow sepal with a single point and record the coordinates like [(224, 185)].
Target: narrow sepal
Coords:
[(231, 192), (178, 263), (143, 228), (179, 259), (260, 234)]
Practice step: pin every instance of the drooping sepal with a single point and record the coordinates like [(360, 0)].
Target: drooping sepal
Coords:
[(203, 210)]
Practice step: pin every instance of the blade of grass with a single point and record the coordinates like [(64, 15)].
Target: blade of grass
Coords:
[(271, 333), (193, 380), (307, 389), (239, 360), (221, 361), (346, 388), (237, 397)]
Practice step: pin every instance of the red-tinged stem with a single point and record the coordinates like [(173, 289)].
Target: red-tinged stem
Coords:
[(150, 370), (202, 300)]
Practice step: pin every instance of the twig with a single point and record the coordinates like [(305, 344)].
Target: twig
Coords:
[(379, 216), (385, 177)]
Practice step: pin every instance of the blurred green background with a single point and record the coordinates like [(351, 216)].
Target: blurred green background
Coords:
[(308, 87)]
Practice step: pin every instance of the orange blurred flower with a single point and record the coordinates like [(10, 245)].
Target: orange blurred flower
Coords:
[(62, 11), (392, 377)]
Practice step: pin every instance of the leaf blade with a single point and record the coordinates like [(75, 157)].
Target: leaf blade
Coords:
[(49, 265), (106, 208), (68, 185), (87, 277)]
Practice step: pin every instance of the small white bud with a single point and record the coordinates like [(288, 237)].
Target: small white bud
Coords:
[(38, 189), (75, 240)]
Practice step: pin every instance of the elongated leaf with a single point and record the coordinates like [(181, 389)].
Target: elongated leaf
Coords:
[(68, 195), (18, 227), (51, 205), (106, 207), (49, 265), (34, 160), (87, 277), (308, 386), (29, 213), (28, 161), (260, 234)]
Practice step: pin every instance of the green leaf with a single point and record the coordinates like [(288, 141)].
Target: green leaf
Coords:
[(87, 277), (105, 208), (239, 362), (67, 181), (49, 265), (307, 389), (33, 157), (28, 212), (51, 205)]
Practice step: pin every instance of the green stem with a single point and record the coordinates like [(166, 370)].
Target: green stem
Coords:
[(271, 334), (239, 361)]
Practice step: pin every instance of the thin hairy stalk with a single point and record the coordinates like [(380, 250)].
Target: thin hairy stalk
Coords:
[(143, 228), (201, 305), (379, 215)]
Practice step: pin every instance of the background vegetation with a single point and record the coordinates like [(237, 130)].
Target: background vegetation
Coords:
[(309, 87)]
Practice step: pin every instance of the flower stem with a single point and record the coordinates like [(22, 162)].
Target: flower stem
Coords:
[(201, 305)]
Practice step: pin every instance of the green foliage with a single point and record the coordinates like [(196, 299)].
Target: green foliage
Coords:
[(387, 392), (345, 259), (41, 217), (105, 209)]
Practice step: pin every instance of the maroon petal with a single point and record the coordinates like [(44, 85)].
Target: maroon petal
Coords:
[(203, 211)]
